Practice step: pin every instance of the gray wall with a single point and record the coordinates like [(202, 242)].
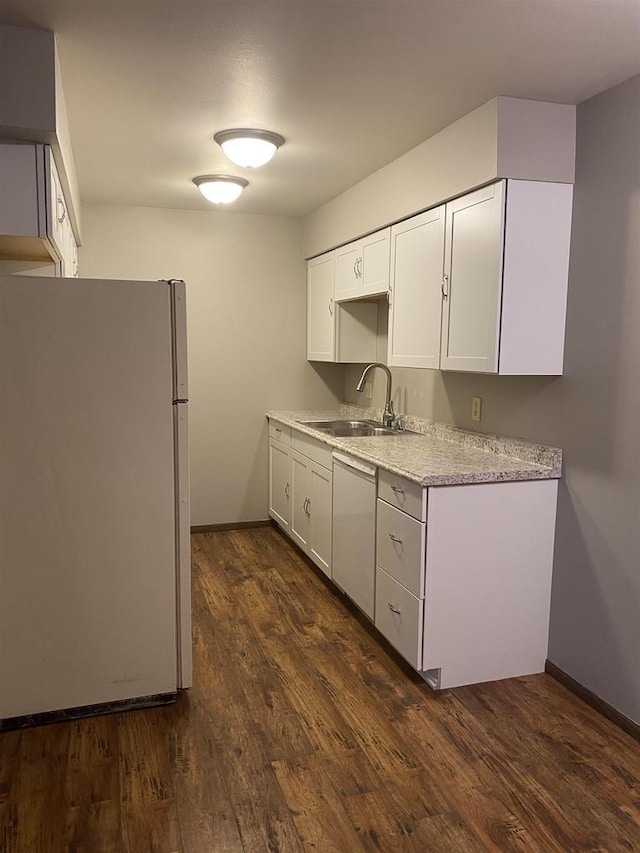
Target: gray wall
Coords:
[(592, 412), (246, 317)]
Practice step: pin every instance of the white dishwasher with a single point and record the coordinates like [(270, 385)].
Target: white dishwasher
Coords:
[(354, 530)]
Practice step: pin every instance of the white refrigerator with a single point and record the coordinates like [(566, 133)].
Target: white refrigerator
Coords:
[(95, 607)]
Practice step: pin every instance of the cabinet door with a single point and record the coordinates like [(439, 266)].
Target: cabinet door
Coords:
[(300, 496), (473, 281), (374, 268), (319, 509), (57, 213), (320, 309), (348, 271), (415, 298), (280, 483)]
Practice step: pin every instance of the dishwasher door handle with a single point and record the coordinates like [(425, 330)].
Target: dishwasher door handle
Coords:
[(354, 464)]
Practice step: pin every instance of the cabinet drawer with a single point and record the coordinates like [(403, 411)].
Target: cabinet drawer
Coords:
[(316, 450), (399, 617), (280, 432), (400, 547), (403, 494)]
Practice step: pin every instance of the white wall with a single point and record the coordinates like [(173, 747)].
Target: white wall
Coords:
[(246, 322)]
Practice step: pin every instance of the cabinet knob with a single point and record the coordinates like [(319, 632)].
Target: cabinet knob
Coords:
[(445, 287), (392, 608), (395, 538), (397, 490), (287, 490), (60, 204), (331, 306)]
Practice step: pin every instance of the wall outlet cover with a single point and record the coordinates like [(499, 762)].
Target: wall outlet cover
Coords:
[(476, 408)]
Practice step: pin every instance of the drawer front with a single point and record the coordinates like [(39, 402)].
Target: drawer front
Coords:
[(279, 432), (316, 450), (399, 617), (403, 494), (400, 547)]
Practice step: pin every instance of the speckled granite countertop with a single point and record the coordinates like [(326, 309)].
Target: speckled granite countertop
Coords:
[(435, 454)]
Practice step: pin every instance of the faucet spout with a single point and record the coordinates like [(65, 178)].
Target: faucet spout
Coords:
[(388, 416)]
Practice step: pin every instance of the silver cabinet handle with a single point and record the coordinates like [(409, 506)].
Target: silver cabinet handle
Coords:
[(393, 609), (331, 306), (395, 538), (60, 216), (445, 287), (355, 268), (304, 506), (359, 263), (277, 429), (309, 507), (397, 490), (287, 490)]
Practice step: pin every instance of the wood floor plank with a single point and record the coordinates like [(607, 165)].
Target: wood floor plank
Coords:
[(302, 732), (317, 811)]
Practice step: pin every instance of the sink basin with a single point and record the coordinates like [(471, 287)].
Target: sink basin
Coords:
[(351, 429)]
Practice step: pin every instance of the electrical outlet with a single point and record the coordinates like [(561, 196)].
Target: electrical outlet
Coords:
[(368, 390), (476, 408)]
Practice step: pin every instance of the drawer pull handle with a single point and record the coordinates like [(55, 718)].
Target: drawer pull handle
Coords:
[(287, 490), (393, 609), (397, 490), (395, 538)]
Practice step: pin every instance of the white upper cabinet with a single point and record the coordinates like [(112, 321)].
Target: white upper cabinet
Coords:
[(320, 308), (472, 284), (480, 284), (34, 217), (415, 295), (362, 267), (338, 333)]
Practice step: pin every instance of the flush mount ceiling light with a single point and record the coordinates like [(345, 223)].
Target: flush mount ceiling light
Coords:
[(220, 189), (249, 148)]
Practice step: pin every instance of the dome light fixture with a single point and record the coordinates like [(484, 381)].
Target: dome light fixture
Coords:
[(249, 148), (220, 189)]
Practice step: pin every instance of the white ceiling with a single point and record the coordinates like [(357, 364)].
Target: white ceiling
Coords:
[(350, 84)]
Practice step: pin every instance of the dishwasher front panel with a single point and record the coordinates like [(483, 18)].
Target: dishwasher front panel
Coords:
[(354, 534)]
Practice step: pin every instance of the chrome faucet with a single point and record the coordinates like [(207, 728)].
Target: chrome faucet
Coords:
[(389, 415)]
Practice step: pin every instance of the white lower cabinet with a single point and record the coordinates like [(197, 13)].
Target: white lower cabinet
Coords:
[(463, 578), (300, 491), (457, 578), (280, 482), (311, 509)]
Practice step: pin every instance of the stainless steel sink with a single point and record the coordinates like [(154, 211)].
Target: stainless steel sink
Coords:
[(351, 429)]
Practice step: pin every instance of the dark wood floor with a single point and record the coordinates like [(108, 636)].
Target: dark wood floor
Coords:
[(303, 733)]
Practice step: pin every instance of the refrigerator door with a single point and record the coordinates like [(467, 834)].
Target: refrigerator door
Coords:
[(183, 542), (87, 493), (178, 294)]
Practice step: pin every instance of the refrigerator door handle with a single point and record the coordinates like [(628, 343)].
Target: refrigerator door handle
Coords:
[(178, 297), (183, 545)]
